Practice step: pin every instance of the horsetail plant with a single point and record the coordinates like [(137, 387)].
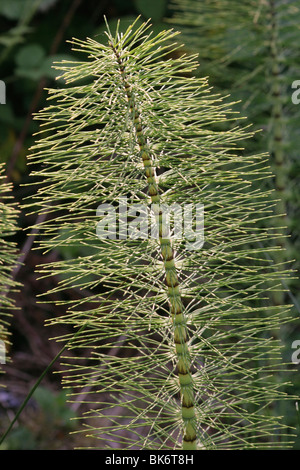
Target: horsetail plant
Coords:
[(151, 204)]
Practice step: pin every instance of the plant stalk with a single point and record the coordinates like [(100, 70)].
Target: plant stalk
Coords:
[(171, 278)]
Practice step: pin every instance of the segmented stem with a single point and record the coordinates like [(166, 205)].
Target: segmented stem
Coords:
[(171, 278)]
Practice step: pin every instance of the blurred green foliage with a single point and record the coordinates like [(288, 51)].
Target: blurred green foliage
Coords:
[(44, 425)]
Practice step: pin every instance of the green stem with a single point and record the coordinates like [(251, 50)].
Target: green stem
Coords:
[(171, 278)]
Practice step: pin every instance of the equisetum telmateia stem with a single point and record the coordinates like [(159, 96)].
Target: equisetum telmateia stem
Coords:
[(171, 278)]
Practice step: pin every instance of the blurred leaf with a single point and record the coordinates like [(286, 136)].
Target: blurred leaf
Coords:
[(20, 439), (29, 56), (46, 5), (33, 64), (13, 9), (155, 9), (14, 36), (54, 405)]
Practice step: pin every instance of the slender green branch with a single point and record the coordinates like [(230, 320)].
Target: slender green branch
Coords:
[(37, 383)]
